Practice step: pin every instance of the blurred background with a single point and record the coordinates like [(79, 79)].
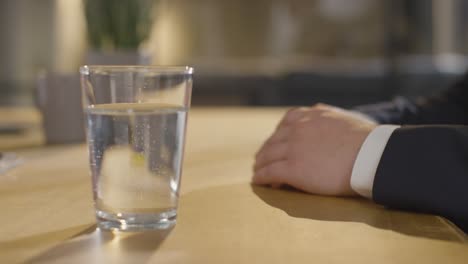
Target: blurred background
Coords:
[(245, 52)]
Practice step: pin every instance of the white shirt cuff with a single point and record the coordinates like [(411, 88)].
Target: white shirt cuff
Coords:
[(368, 158)]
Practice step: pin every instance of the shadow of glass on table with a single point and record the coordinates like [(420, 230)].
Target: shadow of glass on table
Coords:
[(97, 246), (302, 205)]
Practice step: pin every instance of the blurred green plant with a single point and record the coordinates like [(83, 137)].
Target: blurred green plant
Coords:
[(118, 24)]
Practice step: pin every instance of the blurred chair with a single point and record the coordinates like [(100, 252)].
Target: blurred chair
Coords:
[(59, 100)]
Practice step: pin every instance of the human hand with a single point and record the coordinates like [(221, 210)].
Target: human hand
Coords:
[(313, 149)]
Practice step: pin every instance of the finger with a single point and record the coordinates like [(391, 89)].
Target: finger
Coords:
[(292, 115), (271, 153), (280, 135), (275, 174), (276, 185)]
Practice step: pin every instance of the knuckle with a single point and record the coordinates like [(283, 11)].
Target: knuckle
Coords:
[(291, 114), (299, 127), (291, 111), (295, 112), (318, 106), (321, 107)]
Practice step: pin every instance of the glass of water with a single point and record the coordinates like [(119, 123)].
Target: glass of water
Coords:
[(135, 122)]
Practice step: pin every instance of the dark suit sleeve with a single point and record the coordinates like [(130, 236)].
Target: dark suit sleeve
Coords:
[(448, 107), (425, 168)]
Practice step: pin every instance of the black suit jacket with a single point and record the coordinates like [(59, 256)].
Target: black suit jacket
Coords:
[(424, 166)]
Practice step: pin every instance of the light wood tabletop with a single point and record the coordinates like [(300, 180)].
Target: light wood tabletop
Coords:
[(47, 211)]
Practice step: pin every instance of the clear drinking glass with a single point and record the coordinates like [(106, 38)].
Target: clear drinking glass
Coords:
[(135, 122)]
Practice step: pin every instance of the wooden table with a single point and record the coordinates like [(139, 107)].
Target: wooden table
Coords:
[(47, 213)]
